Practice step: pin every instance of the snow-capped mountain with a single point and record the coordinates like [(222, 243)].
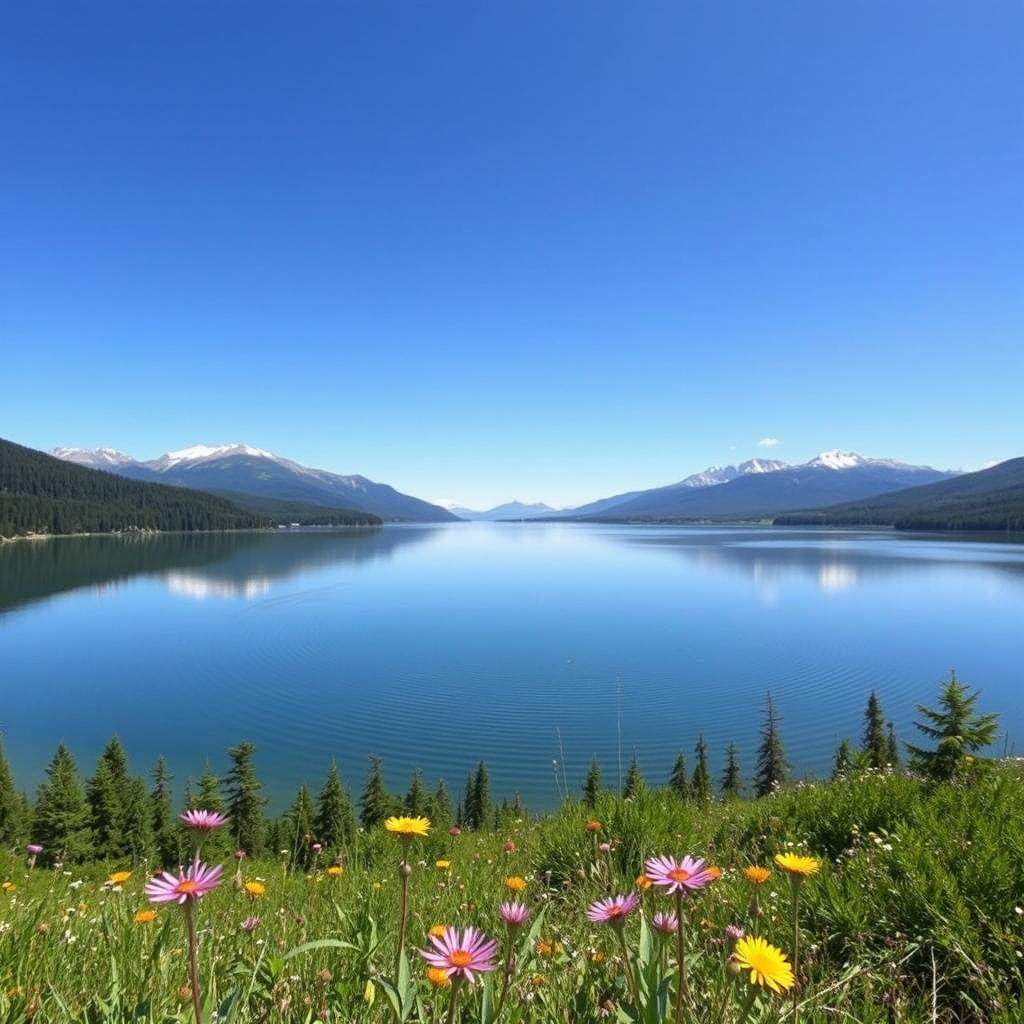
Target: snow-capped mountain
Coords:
[(243, 469), (723, 474), (510, 510)]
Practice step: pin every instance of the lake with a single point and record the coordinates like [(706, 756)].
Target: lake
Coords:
[(435, 646)]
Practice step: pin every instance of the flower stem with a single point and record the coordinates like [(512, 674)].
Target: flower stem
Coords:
[(193, 961), (796, 949), (507, 981), (682, 988), (630, 977), (403, 877), (747, 1004), (456, 985)]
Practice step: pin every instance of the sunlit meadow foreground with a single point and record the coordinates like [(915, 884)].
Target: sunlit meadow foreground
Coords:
[(879, 896)]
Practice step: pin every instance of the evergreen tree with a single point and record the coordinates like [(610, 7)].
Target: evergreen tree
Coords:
[(246, 804), (518, 807), (416, 797), (209, 796), (892, 748), (62, 816), (956, 729), (772, 767), (440, 808), (592, 784), (166, 833), (12, 822), (477, 805), (299, 825), (335, 823), (873, 742), (701, 783), (109, 792), (634, 784), (137, 842), (375, 803), (732, 777), (679, 780), (843, 760)]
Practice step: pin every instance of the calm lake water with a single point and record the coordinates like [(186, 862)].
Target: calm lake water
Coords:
[(436, 646)]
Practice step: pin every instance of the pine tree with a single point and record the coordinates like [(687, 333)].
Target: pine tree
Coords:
[(440, 808), (61, 821), (416, 797), (843, 760), (166, 834), (679, 780), (518, 807), (701, 783), (892, 748), (334, 824), (246, 804), (11, 821), (299, 825), (209, 797), (634, 784), (592, 784), (108, 793), (772, 767), (477, 805), (375, 803), (732, 777), (956, 729), (137, 842), (873, 741)]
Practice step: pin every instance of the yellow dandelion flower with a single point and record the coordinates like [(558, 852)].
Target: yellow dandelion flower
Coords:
[(443, 865), (438, 931), (797, 865), (643, 883), (714, 872), (119, 877), (377, 886), (767, 964), (438, 977), (9, 887), (757, 875), (597, 957), (408, 828), (515, 883), (335, 871), (537, 980), (145, 917), (255, 889)]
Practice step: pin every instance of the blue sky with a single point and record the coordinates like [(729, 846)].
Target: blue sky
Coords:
[(537, 250)]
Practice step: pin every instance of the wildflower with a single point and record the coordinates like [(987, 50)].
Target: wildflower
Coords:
[(438, 977), (593, 825), (255, 889), (514, 914), (239, 854), (613, 910), (250, 924), (462, 956), (196, 881), (145, 917), (335, 871), (509, 847), (676, 876), (537, 980), (797, 865), (9, 887), (34, 849), (119, 878), (597, 957), (515, 884), (438, 930), (643, 883), (408, 828), (548, 947), (757, 875), (455, 831), (665, 923), (203, 821), (442, 865), (604, 847), (767, 964), (317, 847)]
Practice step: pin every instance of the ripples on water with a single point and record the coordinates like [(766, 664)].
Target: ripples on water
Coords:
[(436, 646)]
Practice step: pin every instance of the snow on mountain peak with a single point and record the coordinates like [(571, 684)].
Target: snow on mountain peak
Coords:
[(92, 456), (836, 459), (202, 452)]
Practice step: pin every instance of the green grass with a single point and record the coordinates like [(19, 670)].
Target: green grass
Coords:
[(914, 917)]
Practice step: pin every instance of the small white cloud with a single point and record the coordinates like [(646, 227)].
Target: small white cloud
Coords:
[(768, 442)]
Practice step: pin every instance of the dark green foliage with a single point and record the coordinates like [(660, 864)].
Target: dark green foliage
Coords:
[(772, 766), (892, 748), (284, 511), (120, 818), (61, 820), (167, 839), (335, 821), (138, 823), (416, 798), (12, 820), (439, 808), (209, 797), (956, 729), (843, 760), (245, 801), (873, 743), (41, 494), (375, 804), (700, 785), (476, 805), (592, 784), (679, 780), (732, 777), (298, 835), (634, 784)]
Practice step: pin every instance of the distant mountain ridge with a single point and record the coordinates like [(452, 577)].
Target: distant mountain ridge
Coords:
[(510, 510), (244, 469)]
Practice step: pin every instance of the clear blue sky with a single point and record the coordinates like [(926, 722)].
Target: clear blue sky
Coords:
[(534, 249)]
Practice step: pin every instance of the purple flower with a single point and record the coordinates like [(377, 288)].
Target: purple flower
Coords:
[(250, 924), (613, 910), (680, 875), (735, 932), (514, 914), (34, 849), (666, 924), (195, 882), (460, 956), (202, 820)]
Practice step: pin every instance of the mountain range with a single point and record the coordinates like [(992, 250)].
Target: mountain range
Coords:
[(510, 510), (237, 470)]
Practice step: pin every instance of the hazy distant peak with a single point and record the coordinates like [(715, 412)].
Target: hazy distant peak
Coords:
[(95, 457)]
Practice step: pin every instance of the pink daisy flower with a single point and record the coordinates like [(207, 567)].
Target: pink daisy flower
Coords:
[(461, 956), (614, 909), (34, 849), (195, 882), (679, 876), (204, 821), (514, 914), (250, 924), (666, 924)]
